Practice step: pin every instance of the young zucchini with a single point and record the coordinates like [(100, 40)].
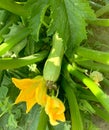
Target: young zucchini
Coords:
[(52, 65)]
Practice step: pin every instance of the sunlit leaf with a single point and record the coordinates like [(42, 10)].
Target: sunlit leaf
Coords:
[(68, 19)]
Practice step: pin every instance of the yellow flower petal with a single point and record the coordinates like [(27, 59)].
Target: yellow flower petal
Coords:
[(30, 104), (53, 121), (54, 118), (32, 91), (24, 83), (41, 95), (25, 95), (55, 110)]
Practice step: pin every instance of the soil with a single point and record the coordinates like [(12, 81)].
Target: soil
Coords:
[(100, 123)]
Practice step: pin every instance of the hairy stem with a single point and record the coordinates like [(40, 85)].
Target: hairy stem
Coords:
[(94, 88), (102, 57), (10, 63)]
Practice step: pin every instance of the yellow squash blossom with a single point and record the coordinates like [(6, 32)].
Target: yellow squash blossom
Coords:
[(55, 110), (32, 91)]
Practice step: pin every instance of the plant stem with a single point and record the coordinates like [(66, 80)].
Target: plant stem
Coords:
[(102, 10), (100, 95), (42, 120), (14, 8), (102, 57), (10, 63), (100, 22), (73, 105), (93, 66), (87, 97)]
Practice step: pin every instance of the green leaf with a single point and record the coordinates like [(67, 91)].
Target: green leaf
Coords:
[(13, 30), (37, 9), (63, 126), (30, 120), (8, 122), (3, 122), (3, 92), (12, 123), (6, 81), (59, 20), (9, 20), (67, 126), (68, 19), (13, 40), (33, 46)]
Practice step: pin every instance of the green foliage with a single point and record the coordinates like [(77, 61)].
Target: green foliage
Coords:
[(63, 126), (26, 31), (3, 91), (37, 9), (65, 19)]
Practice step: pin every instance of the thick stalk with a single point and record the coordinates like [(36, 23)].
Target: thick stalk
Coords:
[(42, 120), (73, 105), (10, 63), (94, 88), (102, 57), (93, 66), (100, 22)]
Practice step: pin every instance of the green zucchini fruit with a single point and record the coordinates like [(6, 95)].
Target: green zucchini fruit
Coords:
[(52, 65)]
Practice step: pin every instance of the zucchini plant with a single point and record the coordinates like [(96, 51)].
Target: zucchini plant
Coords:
[(61, 42)]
